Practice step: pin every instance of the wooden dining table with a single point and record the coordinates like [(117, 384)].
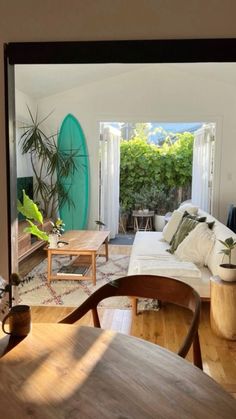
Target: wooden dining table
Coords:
[(68, 371)]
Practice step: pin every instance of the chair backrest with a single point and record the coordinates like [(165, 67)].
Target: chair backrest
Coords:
[(164, 289)]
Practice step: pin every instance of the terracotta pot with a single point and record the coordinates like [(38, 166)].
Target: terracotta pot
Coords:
[(227, 272)]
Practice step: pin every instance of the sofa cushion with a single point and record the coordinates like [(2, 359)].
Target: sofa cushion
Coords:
[(188, 224), (160, 266), (172, 225), (190, 208), (197, 245), (200, 219)]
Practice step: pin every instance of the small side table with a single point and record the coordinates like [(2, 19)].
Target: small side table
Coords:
[(223, 308), (143, 221)]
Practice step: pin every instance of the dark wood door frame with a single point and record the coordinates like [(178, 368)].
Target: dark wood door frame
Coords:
[(149, 51), (140, 51)]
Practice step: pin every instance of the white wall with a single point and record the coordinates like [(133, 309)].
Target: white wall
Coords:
[(24, 167), (154, 94), (28, 21)]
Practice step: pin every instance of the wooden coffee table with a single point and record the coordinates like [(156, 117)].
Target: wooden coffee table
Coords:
[(84, 244)]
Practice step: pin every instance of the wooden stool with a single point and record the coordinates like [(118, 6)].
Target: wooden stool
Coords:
[(143, 221), (223, 308)]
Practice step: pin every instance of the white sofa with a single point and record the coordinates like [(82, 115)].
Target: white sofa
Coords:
[(149, 256)]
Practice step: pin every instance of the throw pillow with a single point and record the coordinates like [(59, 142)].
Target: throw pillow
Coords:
[(197, 245), (187, 225), (198, 218), (190, 208), (210, 224), (172, 225)]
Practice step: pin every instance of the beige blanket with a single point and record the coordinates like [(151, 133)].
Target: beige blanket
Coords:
[(166, 265)]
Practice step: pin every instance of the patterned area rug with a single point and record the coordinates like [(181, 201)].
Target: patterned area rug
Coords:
[(38, 292)]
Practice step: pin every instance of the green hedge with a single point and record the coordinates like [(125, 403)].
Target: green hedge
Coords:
[(145, 166)]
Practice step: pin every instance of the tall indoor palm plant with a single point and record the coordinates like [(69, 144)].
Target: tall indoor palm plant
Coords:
[(49, 164)]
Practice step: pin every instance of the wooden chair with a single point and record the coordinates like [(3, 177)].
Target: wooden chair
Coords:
[(164, 289)]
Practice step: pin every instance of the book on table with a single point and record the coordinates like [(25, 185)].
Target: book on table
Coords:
[(73, 270)]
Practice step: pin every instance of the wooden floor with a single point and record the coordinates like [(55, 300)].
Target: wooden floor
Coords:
[(164, 327)]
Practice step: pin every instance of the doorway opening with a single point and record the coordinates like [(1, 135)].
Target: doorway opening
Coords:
[(147, 169)]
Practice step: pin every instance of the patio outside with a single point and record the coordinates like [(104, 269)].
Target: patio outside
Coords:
[(155, 173)]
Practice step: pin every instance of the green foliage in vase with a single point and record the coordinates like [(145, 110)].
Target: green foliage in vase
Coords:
[(33, 229), (58, 227), (31, 211)]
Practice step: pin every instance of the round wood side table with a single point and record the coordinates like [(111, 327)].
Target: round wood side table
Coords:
[(223, 308), (143, 221)]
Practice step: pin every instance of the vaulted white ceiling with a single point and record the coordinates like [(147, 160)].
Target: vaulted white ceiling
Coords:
[(44, 80), (39, 81)]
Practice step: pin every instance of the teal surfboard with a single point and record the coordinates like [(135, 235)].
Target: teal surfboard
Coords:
[(71, 138)]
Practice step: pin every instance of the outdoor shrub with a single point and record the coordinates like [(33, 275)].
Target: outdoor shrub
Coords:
[(146, 167)]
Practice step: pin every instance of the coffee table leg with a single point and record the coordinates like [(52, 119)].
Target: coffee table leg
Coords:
[(49, 265), (94, 267), (106, 248)]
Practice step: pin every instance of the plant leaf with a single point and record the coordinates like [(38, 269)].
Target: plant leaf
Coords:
[(225, 252), (221, 241), (29, 209), (33, 229), (229, 242)]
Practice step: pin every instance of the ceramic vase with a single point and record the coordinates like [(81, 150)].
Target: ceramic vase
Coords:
[(53, 239), (159, 222)]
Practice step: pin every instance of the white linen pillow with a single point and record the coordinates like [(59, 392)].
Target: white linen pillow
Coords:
[(172, 225), (191, 209), (197, 245)]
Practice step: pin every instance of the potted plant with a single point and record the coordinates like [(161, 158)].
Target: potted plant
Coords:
[(56, 232), (34, 217), (49, 165), (141, 201), (227, 271), (6, 291), (31, 211), (160, 201)]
